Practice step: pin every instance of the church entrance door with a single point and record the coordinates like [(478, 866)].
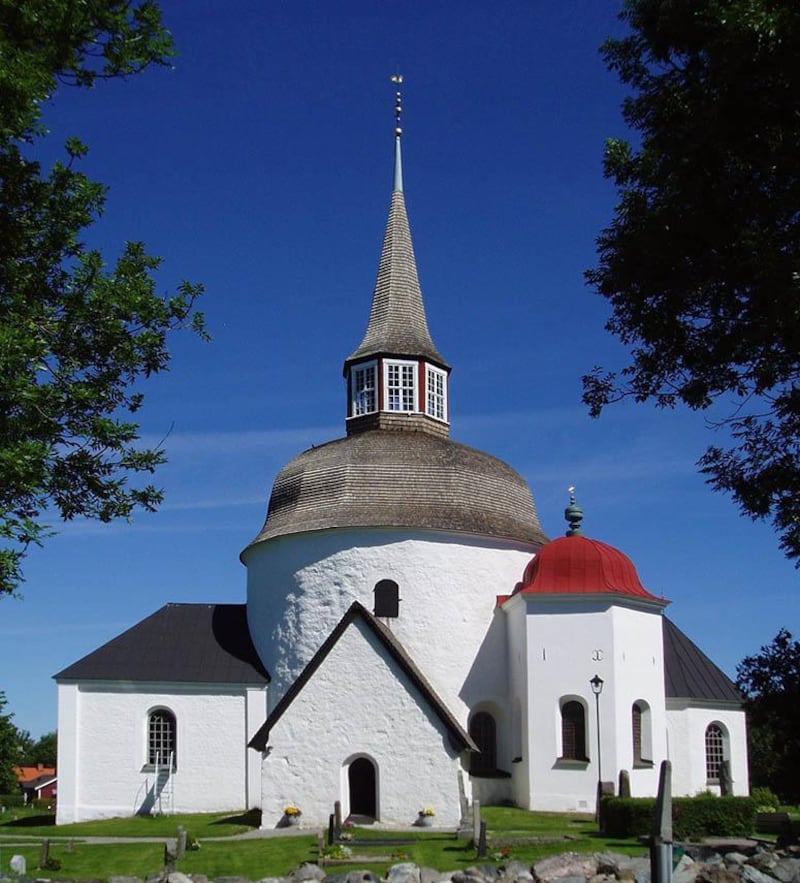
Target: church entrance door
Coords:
[(361, 780)]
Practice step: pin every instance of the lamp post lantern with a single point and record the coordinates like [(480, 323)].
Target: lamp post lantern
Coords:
[(596, 683)]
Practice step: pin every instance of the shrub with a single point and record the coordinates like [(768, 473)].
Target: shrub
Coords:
[(692, 817), (9, 800), (765, 799), (628, 816), (46, 804)]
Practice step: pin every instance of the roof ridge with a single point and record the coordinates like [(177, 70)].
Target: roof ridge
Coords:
[(399, 654)]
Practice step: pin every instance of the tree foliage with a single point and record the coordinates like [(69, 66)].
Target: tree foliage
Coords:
[(76, 335), (10, 750), (770, 681), (44, 750), (701, 262)]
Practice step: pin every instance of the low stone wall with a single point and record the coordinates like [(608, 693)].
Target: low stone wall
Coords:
[(733, 863)]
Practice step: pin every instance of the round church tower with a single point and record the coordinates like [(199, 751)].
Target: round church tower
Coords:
[(421, 530)]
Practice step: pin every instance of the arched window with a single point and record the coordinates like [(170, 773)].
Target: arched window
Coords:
[(483, 732), (573, 731), (715, 751), (641, 734), (387, 598), (636, 724), (161, 731)]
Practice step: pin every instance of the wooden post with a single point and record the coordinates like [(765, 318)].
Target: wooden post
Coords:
[(44, 853), (482, 841), (180, 846), (169, 858), (331, 829), (661, 841), (337, 811), (321, 847)]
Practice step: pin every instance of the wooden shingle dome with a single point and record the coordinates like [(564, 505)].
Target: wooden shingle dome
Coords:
[(401, 479)]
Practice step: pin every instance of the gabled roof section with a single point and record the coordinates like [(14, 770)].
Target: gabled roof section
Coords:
[(186, 643), (397, 322), (459, 737), (690, 674), (29, 774)]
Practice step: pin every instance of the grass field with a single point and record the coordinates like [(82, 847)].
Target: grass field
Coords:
[(513, 834), (197, 825)]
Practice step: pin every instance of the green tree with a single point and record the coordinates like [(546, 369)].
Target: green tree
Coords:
[(43, 750), (76, 335), (9, 750), (770, 681), (701, 262)]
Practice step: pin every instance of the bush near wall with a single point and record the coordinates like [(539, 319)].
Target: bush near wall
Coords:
[(9, 800), (692, 817), (43, 803)]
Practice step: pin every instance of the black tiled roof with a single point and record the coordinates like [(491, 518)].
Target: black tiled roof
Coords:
[(196, 643), (689, 673)]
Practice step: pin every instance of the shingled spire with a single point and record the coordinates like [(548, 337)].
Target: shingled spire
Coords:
[(396, 369)]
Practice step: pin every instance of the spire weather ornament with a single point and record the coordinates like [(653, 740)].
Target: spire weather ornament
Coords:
[(574, 514), (397, 79)]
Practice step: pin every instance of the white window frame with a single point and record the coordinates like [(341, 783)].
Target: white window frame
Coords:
[(357, 407), (717, 750), (400, 364), (435, 400), (161, 737)]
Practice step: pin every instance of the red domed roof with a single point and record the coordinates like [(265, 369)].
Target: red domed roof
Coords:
[(578, 565)]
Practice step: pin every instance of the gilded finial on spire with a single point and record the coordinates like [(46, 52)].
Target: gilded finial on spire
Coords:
[(574, 514), (397, 79)]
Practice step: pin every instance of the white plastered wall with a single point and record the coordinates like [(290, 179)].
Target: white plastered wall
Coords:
[(300, 586), (102, 759), (557, 645), (359, 703), (687, 722)]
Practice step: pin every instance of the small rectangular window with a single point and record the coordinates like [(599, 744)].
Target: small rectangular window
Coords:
[(364, 388), (436, 393), (401, 386)]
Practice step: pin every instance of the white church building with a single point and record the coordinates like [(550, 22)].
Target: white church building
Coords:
[(410, 637)]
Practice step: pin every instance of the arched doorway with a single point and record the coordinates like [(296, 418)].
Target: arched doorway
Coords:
[(361, 782)]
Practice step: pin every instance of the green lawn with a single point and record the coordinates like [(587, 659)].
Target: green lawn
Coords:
[(253, 859), (513, 834), (197, 825)]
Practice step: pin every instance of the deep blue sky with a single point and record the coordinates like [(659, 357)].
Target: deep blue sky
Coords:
[(261, 166)]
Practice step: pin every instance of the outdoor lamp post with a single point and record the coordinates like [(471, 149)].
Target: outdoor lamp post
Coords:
[(596, 683)]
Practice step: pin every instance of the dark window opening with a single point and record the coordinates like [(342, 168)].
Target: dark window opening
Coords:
[(573, 731), (636, 724), (483, 732), (387, 598)]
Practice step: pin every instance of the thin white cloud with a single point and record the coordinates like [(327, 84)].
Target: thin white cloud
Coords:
[(240, 442)]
